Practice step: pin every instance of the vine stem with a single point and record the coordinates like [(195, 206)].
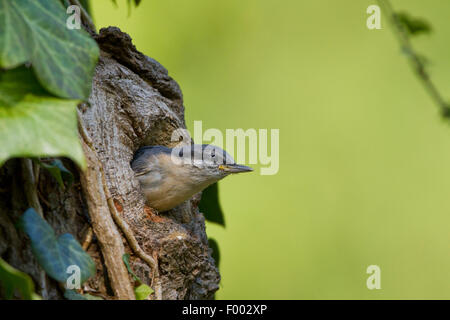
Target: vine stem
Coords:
[(108, 236), (87, 239), (416, 62), (84, 15), (123, 226), (30, 174)]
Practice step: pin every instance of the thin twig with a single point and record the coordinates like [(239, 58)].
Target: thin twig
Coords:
[(129, 234), (88, 239), (29, 180), (36, 170), (42, 198), (135, 245), (414, 58), (29, 186)]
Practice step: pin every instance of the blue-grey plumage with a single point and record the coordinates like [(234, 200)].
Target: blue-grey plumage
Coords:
[(168, 177)]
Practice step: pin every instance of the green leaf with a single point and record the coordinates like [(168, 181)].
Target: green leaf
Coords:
[(16, 84), (142, 292), (12, 279), (210, 205), (215, 250), (58, 171), (34, 124), (35, 31), (126, 260), (73, 295), (414, 26), (54, 254)]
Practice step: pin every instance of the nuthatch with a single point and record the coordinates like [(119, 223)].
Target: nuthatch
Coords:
[(168, 177)]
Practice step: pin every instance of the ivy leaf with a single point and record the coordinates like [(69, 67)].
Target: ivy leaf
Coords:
[(12, 279), (414, 26), (34, 124), (73, 295), (16, 84), (58, 171), (35, 31), (210, 206), (142, 292), (54, 254), (215, 250), (126, 260)]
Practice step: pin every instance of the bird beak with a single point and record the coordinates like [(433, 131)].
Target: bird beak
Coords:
[(235, 168)]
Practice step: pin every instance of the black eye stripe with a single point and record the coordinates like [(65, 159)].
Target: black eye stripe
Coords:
[(213, 154)]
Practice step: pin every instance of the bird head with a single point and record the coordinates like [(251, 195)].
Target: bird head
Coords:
[(208, 161)]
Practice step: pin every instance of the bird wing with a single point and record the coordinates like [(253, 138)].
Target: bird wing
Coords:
[(141, 163), (140, 167), (141, 170), (141, 173)]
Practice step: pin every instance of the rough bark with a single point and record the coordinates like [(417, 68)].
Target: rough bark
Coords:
[(134, 102)]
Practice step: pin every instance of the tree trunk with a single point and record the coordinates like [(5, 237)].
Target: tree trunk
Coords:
[(133, 103)]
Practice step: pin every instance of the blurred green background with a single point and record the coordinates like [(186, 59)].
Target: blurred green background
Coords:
[(363, 173)]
